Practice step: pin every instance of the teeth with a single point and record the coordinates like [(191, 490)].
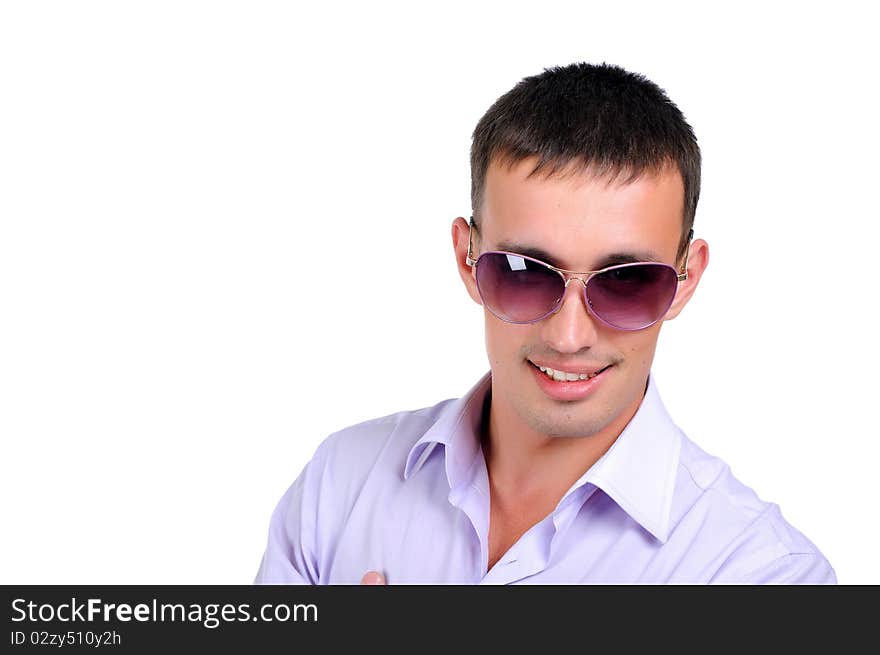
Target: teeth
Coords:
[(562, 376)]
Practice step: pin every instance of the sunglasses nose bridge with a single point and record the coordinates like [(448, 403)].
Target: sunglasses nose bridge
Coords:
[(569, 278)]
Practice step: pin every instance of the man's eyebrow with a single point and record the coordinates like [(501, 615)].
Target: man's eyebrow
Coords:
[(611, 259), (627, 258), (528, 251)]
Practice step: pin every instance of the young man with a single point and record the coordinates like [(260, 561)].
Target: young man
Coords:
[(561, 464)]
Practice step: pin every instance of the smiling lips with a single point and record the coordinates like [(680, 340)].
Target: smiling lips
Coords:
[(569, 386), (584, 372)]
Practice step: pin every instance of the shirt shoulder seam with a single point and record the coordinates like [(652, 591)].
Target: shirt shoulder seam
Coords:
[(744, 579)]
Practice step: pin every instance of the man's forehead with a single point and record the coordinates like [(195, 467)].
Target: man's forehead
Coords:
[(574, 220)]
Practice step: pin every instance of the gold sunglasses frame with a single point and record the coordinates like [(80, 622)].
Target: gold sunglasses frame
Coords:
[(567, 275)]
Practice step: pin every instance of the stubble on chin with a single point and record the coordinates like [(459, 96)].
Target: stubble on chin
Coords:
[(581, 419)]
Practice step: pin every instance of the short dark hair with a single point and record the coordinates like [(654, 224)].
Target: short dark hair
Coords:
[(599, 117)]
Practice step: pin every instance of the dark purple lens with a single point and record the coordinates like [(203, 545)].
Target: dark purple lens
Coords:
[(632, 296), (517, 289)]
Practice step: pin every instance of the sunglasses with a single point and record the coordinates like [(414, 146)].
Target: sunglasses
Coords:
[(520, 289)]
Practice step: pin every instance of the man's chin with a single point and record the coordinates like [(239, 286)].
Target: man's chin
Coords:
[(564, 420)]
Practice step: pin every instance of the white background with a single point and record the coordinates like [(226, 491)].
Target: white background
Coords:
[(225, 233)]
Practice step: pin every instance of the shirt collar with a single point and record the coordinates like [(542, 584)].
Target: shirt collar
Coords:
[(458, 429), (638, 471)]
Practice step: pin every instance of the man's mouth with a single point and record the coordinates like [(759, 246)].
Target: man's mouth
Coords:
[(584, 373)]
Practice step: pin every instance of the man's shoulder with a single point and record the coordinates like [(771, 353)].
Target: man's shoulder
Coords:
[(389, 437), (706, 478), (751, 533)]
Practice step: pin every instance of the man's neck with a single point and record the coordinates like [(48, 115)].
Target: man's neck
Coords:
[(523, 464)]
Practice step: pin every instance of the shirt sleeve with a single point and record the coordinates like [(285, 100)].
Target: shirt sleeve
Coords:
[(290, 555), (794, 568)]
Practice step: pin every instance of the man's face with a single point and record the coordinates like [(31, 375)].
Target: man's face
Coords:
[(579, 221)]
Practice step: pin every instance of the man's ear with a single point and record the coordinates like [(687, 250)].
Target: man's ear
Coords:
[(460, 236), (698, 260)]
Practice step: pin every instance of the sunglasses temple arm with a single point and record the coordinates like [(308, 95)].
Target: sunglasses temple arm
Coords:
[(684, 276), (471, 227)]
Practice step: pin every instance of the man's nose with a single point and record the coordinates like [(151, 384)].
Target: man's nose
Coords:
[(572, 328)]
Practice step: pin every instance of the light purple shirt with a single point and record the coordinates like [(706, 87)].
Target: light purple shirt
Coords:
[(408, 495)]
